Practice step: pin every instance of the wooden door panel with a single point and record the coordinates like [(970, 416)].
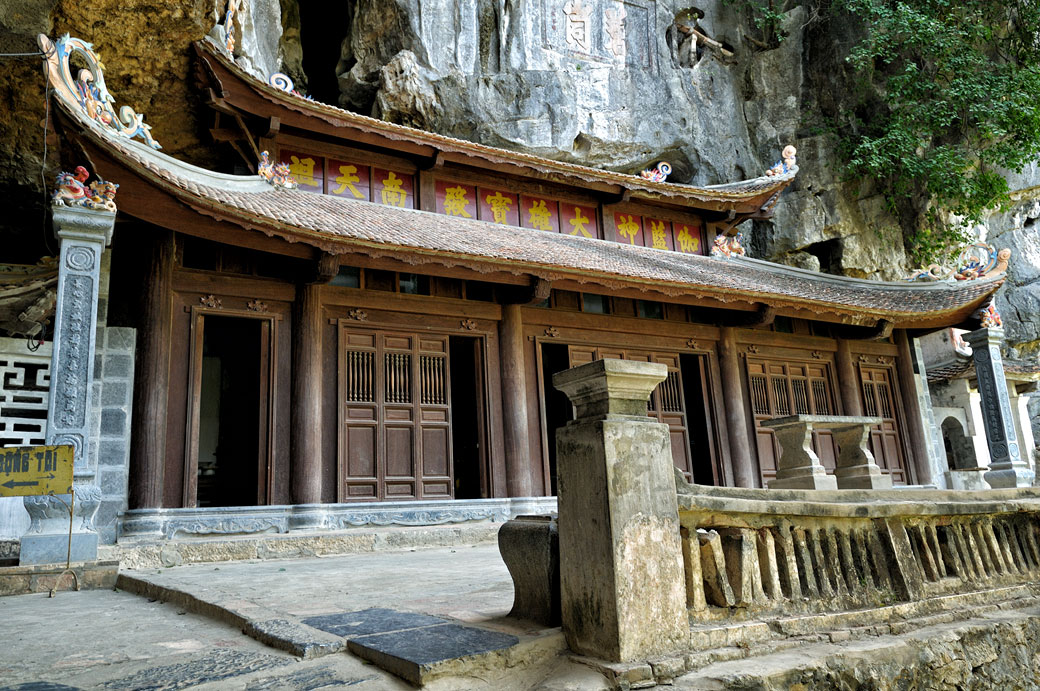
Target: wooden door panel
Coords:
[(405, 450), (878, 401)]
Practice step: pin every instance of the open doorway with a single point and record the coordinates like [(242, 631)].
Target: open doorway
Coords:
[(699, 420), (558, 408), (468, 421), (232, 381)]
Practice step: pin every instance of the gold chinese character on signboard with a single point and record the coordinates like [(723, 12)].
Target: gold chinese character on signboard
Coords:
[(455, 202), (500, 207), (538, 216), (577, 24), (687, 242), (657, 231), (303, 171), (347, 178), (628, 228), (578, 223), (392, 194)]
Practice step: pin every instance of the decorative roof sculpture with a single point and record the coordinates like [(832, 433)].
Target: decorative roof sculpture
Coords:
[(788, 162), (71, 190), (977, 260), (658, 174), (88, 88), (275, 173)]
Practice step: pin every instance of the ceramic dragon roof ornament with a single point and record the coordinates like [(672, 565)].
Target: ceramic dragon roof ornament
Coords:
[(277, 174), (977, 260), (71, 189), (87, 90)]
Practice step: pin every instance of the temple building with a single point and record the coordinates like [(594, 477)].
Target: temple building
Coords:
[(366, 327)]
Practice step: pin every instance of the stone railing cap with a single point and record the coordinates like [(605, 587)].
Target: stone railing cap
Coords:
[(823, 420)]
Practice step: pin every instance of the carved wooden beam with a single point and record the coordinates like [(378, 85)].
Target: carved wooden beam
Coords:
[(326, 268), (762, 316)]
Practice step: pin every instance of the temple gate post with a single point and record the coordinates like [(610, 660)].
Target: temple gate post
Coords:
[(84, 234), (152, 378), (736, 419), (1007, 467), (848, 380), (306, 418), (514, 402), (623, 590)]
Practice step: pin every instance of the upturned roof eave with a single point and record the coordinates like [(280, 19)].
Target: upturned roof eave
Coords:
[(722, 198), (327, 241)]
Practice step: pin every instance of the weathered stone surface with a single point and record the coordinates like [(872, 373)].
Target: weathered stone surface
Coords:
[(530, 548), (621, 573)]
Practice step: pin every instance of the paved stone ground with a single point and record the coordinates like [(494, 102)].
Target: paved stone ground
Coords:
[(117, 640)]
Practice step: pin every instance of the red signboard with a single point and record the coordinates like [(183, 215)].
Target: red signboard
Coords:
[(497, 206), (391, 188), (658, 234), (347, 179), (456, 199), (578, 220), (628, 229), (688, 238), (540, 213), (307, 169)]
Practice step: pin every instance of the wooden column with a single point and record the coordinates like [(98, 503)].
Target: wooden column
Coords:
[(914, 420), (736, 418), (514, 402), (152, 378), (306, 396), (848, 380)]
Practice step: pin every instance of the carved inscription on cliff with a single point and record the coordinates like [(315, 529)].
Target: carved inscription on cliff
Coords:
[(620, 33)]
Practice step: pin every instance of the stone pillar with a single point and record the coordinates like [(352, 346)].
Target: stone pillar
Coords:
[(1007, 467), (306, 397), (744, 473), (798, 466), (623, 592), (514, 402), (84, 234)]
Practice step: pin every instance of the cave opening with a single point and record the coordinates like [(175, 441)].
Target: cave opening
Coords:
[(321, 38), (829, 253)]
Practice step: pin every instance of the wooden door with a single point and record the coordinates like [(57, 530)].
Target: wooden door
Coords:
[(779, 389), (667, 403), (879, 401), (395, 403)]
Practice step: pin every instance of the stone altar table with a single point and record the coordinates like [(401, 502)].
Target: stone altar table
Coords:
[(799, 467)]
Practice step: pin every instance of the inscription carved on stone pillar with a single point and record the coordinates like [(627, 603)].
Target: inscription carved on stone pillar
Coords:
[(84, 233), (1007, 467)]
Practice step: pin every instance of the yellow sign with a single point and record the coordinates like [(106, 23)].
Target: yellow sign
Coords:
[(28, 470)]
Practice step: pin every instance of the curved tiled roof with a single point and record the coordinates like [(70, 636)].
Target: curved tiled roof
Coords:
[(339, 225), (744, 190)]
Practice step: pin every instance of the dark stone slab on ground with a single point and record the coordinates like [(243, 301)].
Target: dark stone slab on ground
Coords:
[(39, 686), (411, 654), (216, 666), (298, 640), (369, 621)]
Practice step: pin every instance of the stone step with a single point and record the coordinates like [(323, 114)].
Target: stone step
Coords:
[(150, 553)]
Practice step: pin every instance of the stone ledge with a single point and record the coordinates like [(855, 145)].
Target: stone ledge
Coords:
[(41, 578), (143, 553)]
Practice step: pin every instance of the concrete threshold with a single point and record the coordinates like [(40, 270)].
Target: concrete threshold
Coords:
[(149, 553)]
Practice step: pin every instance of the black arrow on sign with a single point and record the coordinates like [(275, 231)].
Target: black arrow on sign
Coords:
[(11, 484)]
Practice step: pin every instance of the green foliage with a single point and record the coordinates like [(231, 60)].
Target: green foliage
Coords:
[(767, 17), (948, 96)]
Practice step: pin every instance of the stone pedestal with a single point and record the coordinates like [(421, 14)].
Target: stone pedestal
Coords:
[(623, 594), (1007, 466), (84, 234), (530, 547), (798, 466)]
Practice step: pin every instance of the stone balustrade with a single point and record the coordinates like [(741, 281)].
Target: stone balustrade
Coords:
[(752, 552)]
